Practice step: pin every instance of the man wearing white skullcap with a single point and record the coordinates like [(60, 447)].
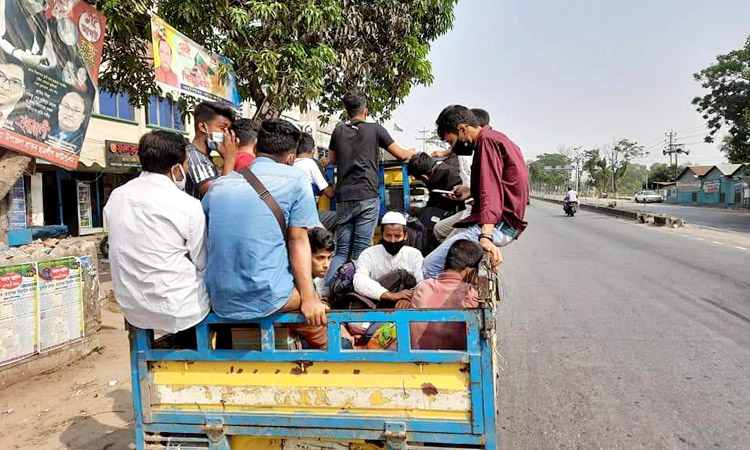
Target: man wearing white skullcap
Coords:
[(389, 271)]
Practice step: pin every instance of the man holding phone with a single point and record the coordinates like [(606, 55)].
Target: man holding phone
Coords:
[(212, 132), (499, 187)]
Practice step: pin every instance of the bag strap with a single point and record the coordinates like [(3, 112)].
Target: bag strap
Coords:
[(266, 197)]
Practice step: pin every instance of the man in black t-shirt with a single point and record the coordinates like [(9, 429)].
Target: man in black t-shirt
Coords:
[(354, 149)]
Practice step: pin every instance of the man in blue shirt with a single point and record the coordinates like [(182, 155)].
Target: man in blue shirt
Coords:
[(252, 272)]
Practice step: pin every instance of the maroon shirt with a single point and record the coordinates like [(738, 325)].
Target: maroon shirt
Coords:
[(499, 181)]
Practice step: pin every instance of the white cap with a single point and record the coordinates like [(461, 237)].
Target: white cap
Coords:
[(393, 218)]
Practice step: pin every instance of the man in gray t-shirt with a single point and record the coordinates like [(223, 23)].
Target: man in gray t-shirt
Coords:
[(209, 118)]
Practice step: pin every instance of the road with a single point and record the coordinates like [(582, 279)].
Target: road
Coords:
[(718, 218), (621, 335)]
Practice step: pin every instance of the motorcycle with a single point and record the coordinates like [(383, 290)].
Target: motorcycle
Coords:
[(570, 208)]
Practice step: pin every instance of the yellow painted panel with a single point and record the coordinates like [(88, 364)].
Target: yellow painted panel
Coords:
[(443, 377), (463, 416)]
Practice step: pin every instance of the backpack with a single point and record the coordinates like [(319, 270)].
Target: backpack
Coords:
[(343, 281), (417, 236)]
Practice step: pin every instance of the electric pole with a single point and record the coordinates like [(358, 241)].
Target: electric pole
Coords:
[(424, 132), (674, 148)]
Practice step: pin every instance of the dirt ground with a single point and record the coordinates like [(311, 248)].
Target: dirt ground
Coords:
[(86, 405)]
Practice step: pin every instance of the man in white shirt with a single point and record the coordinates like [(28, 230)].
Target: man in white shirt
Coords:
[(157, 232), (571, 196), (388, 272), (309, 167)]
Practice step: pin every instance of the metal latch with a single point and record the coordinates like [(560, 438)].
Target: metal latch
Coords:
[(395, 435), (214, 429)]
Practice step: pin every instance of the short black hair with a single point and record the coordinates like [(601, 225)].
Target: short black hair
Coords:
[(245, 130), (354, 102), (421, 164), (463, 254), (277, 137), (320, 239), (207, 111), (160, 150), (483, 117), (306, 143), (451, 116)]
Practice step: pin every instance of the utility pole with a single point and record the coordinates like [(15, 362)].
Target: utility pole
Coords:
[(674, 148), (424, 132)]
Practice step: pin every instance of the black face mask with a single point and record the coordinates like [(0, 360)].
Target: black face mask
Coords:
[(464, 148), (392, 247)]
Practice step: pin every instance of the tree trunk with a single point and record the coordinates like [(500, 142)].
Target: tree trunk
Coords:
[(12, 165)]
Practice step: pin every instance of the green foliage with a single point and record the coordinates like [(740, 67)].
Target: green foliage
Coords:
[(549, 171), (287, 53), (663, 173), (728, 101), (634, 178), (608, 165), (596, 166)]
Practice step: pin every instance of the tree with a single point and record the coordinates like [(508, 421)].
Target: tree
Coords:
[(728, 102), (596, 166), (634, 178), (550, 171), (663, 173), (286, 53), (619, 157)]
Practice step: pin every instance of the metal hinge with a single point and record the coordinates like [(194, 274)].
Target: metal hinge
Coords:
[(214, 429), (395, 435)]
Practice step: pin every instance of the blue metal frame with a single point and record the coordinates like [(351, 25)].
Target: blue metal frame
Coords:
[(480, 431)]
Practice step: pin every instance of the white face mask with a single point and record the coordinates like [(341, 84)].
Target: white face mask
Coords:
[(180, 184)]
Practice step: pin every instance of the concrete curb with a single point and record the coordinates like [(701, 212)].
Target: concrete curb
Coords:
[(599, 209), (643, 217)]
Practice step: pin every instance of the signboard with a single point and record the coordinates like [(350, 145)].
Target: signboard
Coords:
[(60, 302), (711, 186), (49, 65), (17, 210), (181, 64), (122, 155), (18, 312)]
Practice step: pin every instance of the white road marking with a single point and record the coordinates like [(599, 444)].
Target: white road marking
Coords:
[(717, 243), (700, 239), (684, 235), (741, 248)]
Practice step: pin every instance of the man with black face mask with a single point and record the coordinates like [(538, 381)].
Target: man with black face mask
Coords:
[(388, 272)]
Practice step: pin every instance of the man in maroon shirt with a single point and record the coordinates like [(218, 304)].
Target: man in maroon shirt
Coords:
[(499, 187)]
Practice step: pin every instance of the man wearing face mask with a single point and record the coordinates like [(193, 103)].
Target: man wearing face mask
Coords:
[(213, 122), (253, 271), (388, 272), (499, 187), (157, 251)]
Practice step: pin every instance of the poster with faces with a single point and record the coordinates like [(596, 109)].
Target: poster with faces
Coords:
[(50, 53)]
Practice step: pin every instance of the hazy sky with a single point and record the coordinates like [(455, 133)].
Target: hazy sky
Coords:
[(580, 72)]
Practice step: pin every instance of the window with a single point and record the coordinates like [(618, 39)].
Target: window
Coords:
[(163, 112), (116, 105)]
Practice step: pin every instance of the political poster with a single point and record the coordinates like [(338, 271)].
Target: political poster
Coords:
[(49, 64), (60, 302), (182, 65), (18, 312)]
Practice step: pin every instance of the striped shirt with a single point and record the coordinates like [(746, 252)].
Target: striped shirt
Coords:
[(200, 169)]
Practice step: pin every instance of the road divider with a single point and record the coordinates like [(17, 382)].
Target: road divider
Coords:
[(641, 216)]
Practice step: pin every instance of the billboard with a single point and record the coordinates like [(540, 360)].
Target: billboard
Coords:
[(181, 64), (49, 65)]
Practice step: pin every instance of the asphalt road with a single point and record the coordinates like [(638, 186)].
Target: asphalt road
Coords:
[(620, 335), (718, 218)]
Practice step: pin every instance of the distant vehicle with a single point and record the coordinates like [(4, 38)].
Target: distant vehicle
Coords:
[(570, 208), (647, 197)]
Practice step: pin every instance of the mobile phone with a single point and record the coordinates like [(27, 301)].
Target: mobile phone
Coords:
[(441, 191)]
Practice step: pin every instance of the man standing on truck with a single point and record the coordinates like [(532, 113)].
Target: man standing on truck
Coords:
[(499, 187), (354, 148), (157, 247), (252, 270)]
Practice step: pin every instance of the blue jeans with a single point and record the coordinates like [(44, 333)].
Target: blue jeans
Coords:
[(356, 222), (434, 263)]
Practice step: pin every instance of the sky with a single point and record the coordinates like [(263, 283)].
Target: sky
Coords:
[(580, 72)]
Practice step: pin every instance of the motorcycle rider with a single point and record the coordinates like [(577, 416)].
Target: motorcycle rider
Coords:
[(570, 197)]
